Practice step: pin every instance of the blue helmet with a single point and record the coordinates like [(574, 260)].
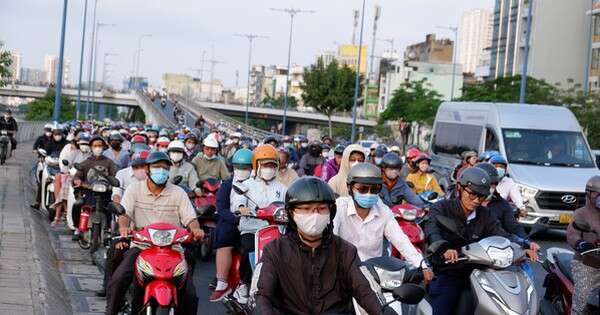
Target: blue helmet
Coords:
[(242, 157), (486, 155), (498, 159)]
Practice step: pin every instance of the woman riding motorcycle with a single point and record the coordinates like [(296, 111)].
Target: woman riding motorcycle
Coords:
[(353, 154), (422, 179)]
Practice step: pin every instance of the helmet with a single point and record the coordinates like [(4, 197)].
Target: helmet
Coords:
[(271, 139), (422, 157), (158, 156), (138, 139), (364, 173), (374, 146), (154, 128), (191, 136), (468, 154), (242, 157), (412, 153), (308, 189), (395, 148), (236, 135), (137, 147), (84, 138), (176, 146), (498, 159), (379, 152), (339, 149), (210, 142), (115, 136), (490, 170), (264, 152), (486, 155), (475, 179), (97, 138), (391, 160), (48, 127), (325, 147), (139, 158), (163, 141), (593, 184)]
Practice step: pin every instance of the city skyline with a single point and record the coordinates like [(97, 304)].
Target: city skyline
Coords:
[(182, 30)]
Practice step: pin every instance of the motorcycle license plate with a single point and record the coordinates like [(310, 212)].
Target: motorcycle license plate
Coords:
[(565, 218)]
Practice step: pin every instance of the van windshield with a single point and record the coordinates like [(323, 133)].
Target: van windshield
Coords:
[(547, 147)]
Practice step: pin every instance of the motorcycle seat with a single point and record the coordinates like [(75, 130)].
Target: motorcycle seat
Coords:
[(385, 262), (563, 261)]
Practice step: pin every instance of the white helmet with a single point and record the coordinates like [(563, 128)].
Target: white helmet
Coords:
[(236, 135), (176, 146), (210, 142)]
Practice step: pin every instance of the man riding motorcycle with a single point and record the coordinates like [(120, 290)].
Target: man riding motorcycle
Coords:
[(146, 202), (9, 124), (310, 270), (586, 276), (474, 222), (116, 152), (286, 175), (176, 151), (208, 163), (310, 160), (394, 189)]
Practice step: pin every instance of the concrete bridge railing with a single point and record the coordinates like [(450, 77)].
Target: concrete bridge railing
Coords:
[(29, 130), (153, 115)]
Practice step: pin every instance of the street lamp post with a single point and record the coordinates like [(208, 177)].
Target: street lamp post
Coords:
[(77, 108), (139, 52), (92, 86), (586, 79), (454, 29), (357, 79), (523, 88), (91, 64), (292, 12), (59, 72), (250, 38)]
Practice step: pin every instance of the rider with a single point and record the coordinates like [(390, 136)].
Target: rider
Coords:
[(232, 147), (474, 222), (41, 141), (286, 175), (394, 189), (162, 144), (331, 167), (353, 154), (319, 272), (176, 151), (585, 269), (9, 124), (377, 155), (311, 159), (409, 165), (191, 146), (153, 200), (227, 235), (116, 152), (58, 142), (422, 179), (468, 159), (152, 133), (208, 163), (507, 188)]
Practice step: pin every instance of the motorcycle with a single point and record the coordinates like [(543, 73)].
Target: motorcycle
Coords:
[(429, 197), (206, 212), (161, 268), (163, 103), (409, 218), (559, 280), (5, 146), (50, 169)]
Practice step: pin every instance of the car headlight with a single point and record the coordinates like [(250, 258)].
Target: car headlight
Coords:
[(502, 257), (527, 191), (409, 214), (162, 237), (280, 215)]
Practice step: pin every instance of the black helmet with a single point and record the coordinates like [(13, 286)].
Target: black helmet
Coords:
[(391, 160), (158, 156), (364, 173), (115, 137), (475, 179), (339, 149), (490, 170), (593, 184), (308, 189), (379, 152), (271, 139), (97, 138)]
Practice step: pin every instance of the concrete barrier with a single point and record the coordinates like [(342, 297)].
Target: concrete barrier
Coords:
[(29, 130), (153, 115)]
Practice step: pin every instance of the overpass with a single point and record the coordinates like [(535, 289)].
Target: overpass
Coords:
[(99, 97)]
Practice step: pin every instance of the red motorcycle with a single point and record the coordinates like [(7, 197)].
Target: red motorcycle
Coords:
[(409, 217), (206, 210)]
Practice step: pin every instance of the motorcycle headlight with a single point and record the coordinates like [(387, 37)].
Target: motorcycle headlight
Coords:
[(4, 132), (280, 215), (162, 237), (502, 257), (99, 188), (527, 191), (409, 214)]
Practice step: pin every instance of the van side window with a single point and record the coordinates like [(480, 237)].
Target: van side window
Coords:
[(453, 138), (491, 141)]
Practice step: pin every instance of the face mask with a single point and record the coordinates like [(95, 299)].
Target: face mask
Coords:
[(287, 144), (378, 160), (210, 157), (57, 137), (353, 163), (190, 146), (159, 176), (325, 154), (365, 201), (164, 150), (267, 173), (84, 148), (424, 168), (97, 151), (139, 174), (312, 224), (304, 145), (70, 137), (48, 134), (176, 156), (391, 173), (501, 171), (240, 175), (115, 146)]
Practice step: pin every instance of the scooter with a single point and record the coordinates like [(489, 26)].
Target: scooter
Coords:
[(429, 197), (161, 268), (50, 169), (206, 211), (559, 280), (409, 218), (5, 146)]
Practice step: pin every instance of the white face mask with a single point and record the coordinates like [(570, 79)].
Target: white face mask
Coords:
[(176, 156), (391, 173), (70, 137), (304, 145), (267, 173), (84, 148), (241, 175), (312, 224), (97, 151)]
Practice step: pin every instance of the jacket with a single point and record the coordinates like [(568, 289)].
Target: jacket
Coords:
[(9, 125), (41, 142), (424, 182), (263, 194), (287, 176), (188, 174), (507, 188), (505, 214), (311, 281), (214, 168), (53, 147), (307, 164), (591, 215), (329, 169), (338, 182), (93, 161), (398, 193)]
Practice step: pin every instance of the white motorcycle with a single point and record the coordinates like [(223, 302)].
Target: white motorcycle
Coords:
[(51, 168), (5, 146)]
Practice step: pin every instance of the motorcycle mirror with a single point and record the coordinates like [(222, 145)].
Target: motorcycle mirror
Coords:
[(582, 226), (410, 184), (199, 184), (409, 293), (113, 181), (240, 188), (177, 179), (65, 162), (115, 208)]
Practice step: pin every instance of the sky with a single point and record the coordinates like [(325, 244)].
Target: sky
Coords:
[(182, 29)]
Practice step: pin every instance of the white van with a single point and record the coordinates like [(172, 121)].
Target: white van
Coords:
[(548, 155)]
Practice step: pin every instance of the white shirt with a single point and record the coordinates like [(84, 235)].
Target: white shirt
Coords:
[(508, 189), (368, 234), (125, 177), (263, 194)]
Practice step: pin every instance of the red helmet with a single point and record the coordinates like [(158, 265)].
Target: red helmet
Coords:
[(139, 139), (412, 153)]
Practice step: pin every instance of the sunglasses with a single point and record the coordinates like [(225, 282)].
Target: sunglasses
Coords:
[(375, 189), (473, 195)]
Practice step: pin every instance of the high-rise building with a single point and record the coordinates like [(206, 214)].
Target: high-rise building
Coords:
[(32, 76), (51, 67), (594, 79), (190, 87), (431, 50), (558, 44), (15, 67), (327, 56), (348, 55), (475, 35)]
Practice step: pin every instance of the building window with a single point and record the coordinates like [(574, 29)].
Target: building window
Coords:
[(596, 58), (597, 25)]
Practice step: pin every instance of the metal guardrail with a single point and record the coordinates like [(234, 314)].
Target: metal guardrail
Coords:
[(29, 130), (150, 110)]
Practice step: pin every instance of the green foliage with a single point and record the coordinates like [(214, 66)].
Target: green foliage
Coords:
[(5, 62), (42, 109), (279, 101), (587, 110), (341, 132), (507, 90), (413, 101)]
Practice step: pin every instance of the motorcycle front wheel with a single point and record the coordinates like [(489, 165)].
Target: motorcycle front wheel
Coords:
[(84, 240), (95, 238), (164, 310)]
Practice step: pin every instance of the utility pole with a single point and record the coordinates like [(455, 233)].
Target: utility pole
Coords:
[(455, 30), (356, 15), (250, 37), (292, 12), (526, 55), (213, 63), (586, 79), (78, 107), (92, 86), (375, 20), (139, 55), (357, 79), (391, 42), (104, 67), (91, 64), (59, 71)]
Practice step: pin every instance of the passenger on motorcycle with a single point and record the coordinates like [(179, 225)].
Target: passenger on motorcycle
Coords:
[(162, 144), (233, 146), (227, 236), (41, 141), (209, 164), (310, 160), (135, 172), (409, 162), (116, 152), (331, 167), (585, 269), (191, 146), (310, 270), (153, 200), (353, 154), (286, 175), (58, 142), (364, 221), (394, 189), (422, 179), (474, 222), (507, 188), (152, 133), (180, 167), (468, 159)]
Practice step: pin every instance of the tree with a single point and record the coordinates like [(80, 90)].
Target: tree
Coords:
[(42, 109), (507, 90), (586, 108), (279, 101), (413, 102), (5, 62), (328, 88)]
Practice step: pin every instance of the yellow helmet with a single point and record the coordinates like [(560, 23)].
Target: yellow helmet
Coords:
[(264, 152)]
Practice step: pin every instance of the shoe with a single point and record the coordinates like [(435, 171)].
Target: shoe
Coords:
[(241, 294), (218, 295), (101, 293), (213, 284)]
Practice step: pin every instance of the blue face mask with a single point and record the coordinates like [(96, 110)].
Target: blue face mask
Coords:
[(365, 201), (501, 171), (159, 176)]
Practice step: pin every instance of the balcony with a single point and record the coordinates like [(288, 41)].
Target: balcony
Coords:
[(596, 38)]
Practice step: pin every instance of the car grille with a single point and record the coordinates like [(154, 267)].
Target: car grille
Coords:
[(553, 200)]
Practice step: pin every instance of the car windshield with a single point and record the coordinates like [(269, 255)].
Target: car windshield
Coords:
[(547, 148)]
